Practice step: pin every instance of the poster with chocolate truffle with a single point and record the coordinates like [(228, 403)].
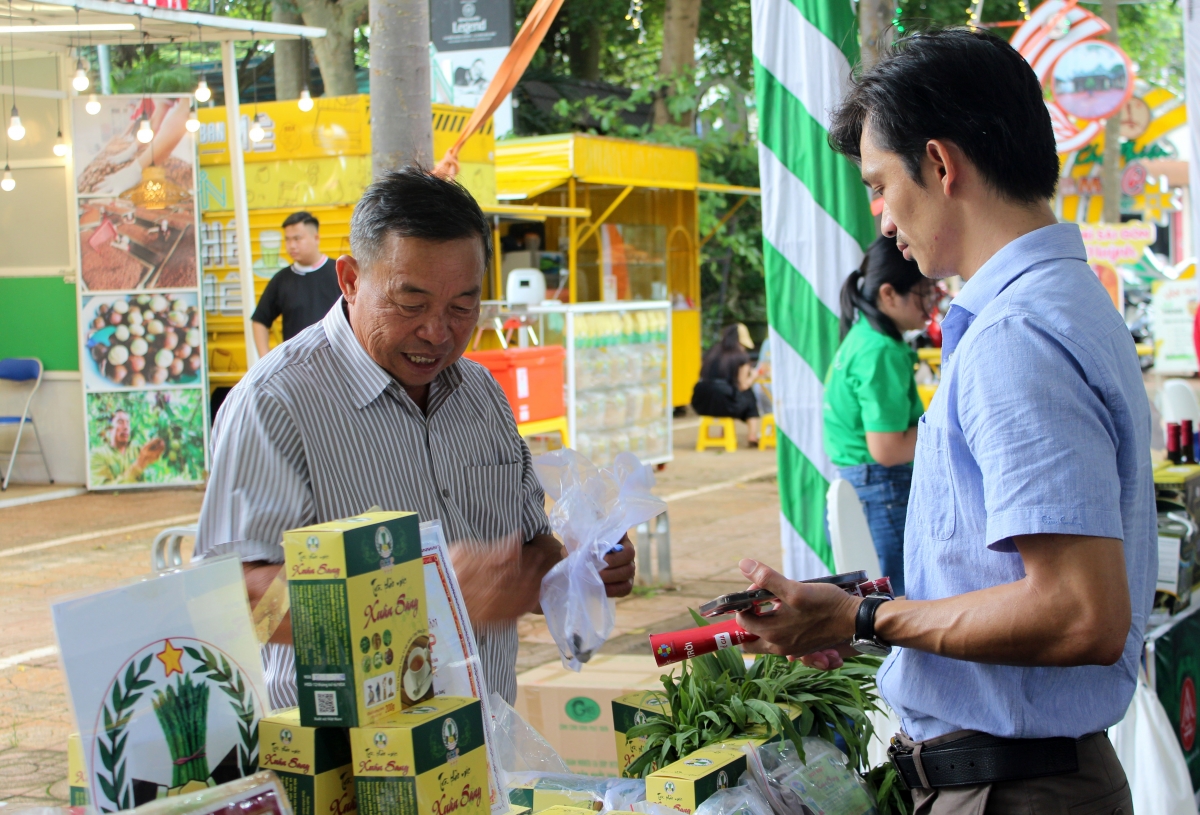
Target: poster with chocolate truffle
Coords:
[(142, 342)]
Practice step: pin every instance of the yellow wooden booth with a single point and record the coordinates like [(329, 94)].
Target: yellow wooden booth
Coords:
[(642, 240), (320, 161)]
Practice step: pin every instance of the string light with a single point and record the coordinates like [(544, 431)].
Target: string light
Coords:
[(61, 148), (145, 133), (896, 24), (81, 81), (1023, 7), (256, 133), (16, 130), (634, 16), (193, 122), (203, 92), (305, 103), (93, 105), (60, 145), (8, 183)]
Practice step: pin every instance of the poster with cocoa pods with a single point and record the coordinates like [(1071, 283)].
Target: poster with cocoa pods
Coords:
[(142, 341)]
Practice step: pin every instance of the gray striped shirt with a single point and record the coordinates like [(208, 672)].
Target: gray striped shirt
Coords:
[(317, 431)]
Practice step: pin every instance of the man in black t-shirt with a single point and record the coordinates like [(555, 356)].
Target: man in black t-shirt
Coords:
[(301, 293)]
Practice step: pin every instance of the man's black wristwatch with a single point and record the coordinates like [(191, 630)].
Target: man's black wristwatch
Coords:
[(865, 640)]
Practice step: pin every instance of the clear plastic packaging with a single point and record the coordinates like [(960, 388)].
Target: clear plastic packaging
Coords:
[(823, 782), (600, 793), (593, 509), (744, 799), (519, 748)]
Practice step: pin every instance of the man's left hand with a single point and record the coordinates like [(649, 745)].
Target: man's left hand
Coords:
[(618, 574), (809, 617)]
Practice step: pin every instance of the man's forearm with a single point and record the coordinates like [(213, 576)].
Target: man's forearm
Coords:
[(1055, 616), (262, 338)]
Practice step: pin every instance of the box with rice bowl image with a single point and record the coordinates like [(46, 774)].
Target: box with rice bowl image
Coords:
[(359, 618), (427, 760), (689, 782), (313, 763)]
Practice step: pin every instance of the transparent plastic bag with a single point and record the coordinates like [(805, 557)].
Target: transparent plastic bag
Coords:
[(593, 509), (744, 799), (821, 783), (651, 808), (519, 747), (587, 791)]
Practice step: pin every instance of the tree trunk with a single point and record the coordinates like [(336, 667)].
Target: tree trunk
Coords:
[(335, 51), (290, 70), (401, 103), (875, 28), (681, 21), (1110, 170), (584, 50)]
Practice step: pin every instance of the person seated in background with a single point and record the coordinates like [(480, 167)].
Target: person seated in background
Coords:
[(871, 406), (301, 293), (726, 378)]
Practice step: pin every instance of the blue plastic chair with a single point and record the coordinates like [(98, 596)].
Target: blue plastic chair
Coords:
[(18, 369)]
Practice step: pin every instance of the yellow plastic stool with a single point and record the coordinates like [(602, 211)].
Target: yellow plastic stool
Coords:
[(728, 439), (766, 432)]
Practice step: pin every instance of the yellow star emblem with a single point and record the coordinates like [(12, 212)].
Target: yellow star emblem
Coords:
[(171, 658)]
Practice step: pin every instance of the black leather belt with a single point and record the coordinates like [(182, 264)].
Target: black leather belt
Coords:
[(983, 759)]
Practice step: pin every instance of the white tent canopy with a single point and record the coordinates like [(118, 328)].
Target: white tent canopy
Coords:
[(51, 25)]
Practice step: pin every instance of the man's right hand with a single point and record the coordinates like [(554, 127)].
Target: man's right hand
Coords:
[(504, 582), (151, 452)]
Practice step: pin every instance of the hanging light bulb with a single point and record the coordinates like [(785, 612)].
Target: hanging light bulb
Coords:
[(8, 183), (256, 133), (16, 130), (60, 146), (203, 92), (193, 122), (306, 102), (81, 82), (144, 132), (93, 105)]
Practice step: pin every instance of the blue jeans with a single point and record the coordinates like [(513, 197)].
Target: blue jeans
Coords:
[(883, 492)]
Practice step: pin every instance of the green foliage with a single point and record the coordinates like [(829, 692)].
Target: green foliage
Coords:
[(232, 684), (152, 74), (111, 741), (891, 798), (176, 416)]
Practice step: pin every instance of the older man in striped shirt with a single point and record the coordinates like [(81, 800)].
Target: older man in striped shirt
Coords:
[(374, 406)]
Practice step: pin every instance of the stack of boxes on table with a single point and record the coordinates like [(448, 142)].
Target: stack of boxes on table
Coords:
[(368, 733), (1177, 491)]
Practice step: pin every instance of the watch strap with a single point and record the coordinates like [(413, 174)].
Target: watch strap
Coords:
[(864, 620)]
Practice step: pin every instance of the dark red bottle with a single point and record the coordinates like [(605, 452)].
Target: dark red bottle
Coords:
[(1186, 455), (1173, 434)]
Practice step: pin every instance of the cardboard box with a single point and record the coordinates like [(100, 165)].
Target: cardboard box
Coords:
[(537, 800), (427, 760), (77, 783), (313, 763), (574, 710), (359, 618), (689, 782)]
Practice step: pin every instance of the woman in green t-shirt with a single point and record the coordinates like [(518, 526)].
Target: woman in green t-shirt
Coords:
[(871, 404)]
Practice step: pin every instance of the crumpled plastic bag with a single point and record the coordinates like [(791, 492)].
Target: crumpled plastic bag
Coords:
[(1153, 760), (744, 799), (821, 783), (593, 509), (519, 747), (586, 791)]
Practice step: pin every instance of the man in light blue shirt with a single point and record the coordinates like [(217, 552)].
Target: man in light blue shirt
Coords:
[(1030, 545)]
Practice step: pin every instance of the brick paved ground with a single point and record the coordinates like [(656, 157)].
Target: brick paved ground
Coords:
[(709, 533)]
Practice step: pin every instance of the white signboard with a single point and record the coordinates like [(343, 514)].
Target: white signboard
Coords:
[(166, 683), (1174, 311), (470, 72)]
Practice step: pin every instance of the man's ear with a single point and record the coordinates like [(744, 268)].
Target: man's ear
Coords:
[(349, 277), (943, 165)]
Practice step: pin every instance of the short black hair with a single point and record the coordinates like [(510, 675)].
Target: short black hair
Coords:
[(966, 87), (302, 218), (415, 203)]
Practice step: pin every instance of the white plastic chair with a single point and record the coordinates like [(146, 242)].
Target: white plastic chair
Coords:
[(1178, 402), (850, 537), (166, 551)]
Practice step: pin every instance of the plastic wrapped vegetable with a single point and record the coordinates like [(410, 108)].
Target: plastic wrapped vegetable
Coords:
[(744, 799), (821, 782), (593, 509)]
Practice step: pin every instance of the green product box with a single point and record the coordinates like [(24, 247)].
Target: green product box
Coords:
[(690, 782), (1173, 663), (632, 709), (313, 763), (359, 618)]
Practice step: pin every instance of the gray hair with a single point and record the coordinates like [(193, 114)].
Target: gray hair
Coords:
[(414, 203)]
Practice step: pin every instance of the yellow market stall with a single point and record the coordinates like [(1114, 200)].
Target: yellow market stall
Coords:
[(641, 242), (317, 160)]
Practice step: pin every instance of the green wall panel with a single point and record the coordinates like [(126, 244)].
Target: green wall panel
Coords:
[(39, 318)]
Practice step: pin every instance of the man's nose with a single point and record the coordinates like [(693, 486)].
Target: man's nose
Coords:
[(434, 330), (886, 225)]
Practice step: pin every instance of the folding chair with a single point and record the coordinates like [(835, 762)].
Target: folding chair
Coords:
[(24, 370)]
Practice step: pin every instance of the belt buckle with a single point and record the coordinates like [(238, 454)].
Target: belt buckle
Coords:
[(895, 748)]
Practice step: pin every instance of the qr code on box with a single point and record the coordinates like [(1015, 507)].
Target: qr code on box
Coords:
[(326, 703)]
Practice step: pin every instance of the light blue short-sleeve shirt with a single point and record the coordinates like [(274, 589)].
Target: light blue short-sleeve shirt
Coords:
[(1040, 425)]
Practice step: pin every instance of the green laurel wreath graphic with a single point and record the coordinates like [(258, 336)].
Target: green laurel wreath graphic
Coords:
[(116, 719), (125, 695), (231, 683)]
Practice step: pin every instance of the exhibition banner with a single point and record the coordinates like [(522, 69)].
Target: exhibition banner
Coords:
[(142, 343)]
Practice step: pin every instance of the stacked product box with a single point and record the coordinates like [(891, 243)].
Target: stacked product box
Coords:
[(1177, 490), (77, 784), (428, 760), (689, 782), (312, 762), (357, 592)]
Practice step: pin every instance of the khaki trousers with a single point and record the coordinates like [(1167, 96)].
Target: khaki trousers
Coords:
[(1098, 788)]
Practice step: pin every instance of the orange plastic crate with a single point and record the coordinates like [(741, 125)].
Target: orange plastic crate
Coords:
[(532, 379)]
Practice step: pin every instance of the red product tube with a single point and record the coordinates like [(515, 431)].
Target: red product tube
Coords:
[(676, 646)]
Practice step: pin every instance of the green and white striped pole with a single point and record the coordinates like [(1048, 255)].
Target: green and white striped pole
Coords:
[(816, 225)]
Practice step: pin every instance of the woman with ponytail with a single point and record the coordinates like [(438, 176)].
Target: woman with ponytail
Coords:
[(871, 404)]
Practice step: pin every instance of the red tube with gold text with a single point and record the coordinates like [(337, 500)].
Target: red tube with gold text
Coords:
[(676, 646)]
